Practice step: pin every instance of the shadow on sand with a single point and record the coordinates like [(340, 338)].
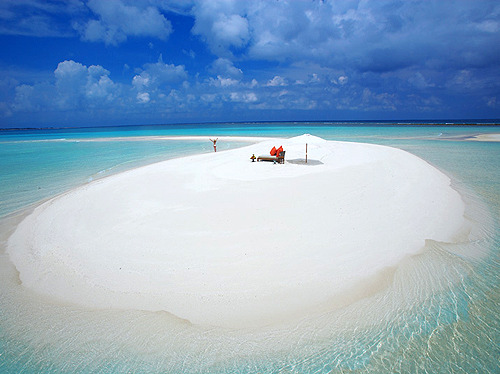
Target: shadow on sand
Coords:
[(302, 161)]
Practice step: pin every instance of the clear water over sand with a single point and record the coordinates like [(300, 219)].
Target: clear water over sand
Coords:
[(436, 312)]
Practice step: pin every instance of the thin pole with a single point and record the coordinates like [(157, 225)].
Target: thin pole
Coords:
[(306, 153)]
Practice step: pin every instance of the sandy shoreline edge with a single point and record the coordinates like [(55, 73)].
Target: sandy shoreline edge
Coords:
[(219, 240)]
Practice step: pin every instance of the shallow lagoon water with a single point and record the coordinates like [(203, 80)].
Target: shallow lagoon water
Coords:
[(437, 312)]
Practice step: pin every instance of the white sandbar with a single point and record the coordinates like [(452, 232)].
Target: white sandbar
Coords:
[(219, 240), (486, 138)]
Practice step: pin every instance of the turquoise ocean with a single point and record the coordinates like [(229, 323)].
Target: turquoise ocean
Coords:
[(439, 314)]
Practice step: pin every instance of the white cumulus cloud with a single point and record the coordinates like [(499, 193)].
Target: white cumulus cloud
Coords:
[(243, 97), (223, 82), (277, 81), (343, 79), (117, 20), (76, 83), (143, 97), (222, 24), (76, 86), (159, 74), (225, 68)]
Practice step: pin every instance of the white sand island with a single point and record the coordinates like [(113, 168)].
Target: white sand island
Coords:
[(219, 240)]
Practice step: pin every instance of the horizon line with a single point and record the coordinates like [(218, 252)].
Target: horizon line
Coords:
[(421, 122)]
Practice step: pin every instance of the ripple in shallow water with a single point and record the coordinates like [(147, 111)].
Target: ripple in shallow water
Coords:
[(439, 314)]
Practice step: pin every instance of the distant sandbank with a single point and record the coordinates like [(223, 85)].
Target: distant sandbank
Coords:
[(249, 139), (219, 240), (486, 138)]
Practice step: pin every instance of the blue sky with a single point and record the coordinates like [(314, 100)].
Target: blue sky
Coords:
[(123, 62)]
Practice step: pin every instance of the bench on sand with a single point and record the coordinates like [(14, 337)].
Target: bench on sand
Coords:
[(280, 159)]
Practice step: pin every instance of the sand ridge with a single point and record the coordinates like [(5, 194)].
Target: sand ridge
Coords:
[(219, 240)]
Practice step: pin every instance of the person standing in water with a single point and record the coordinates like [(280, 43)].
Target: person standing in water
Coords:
[(215, 146)]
